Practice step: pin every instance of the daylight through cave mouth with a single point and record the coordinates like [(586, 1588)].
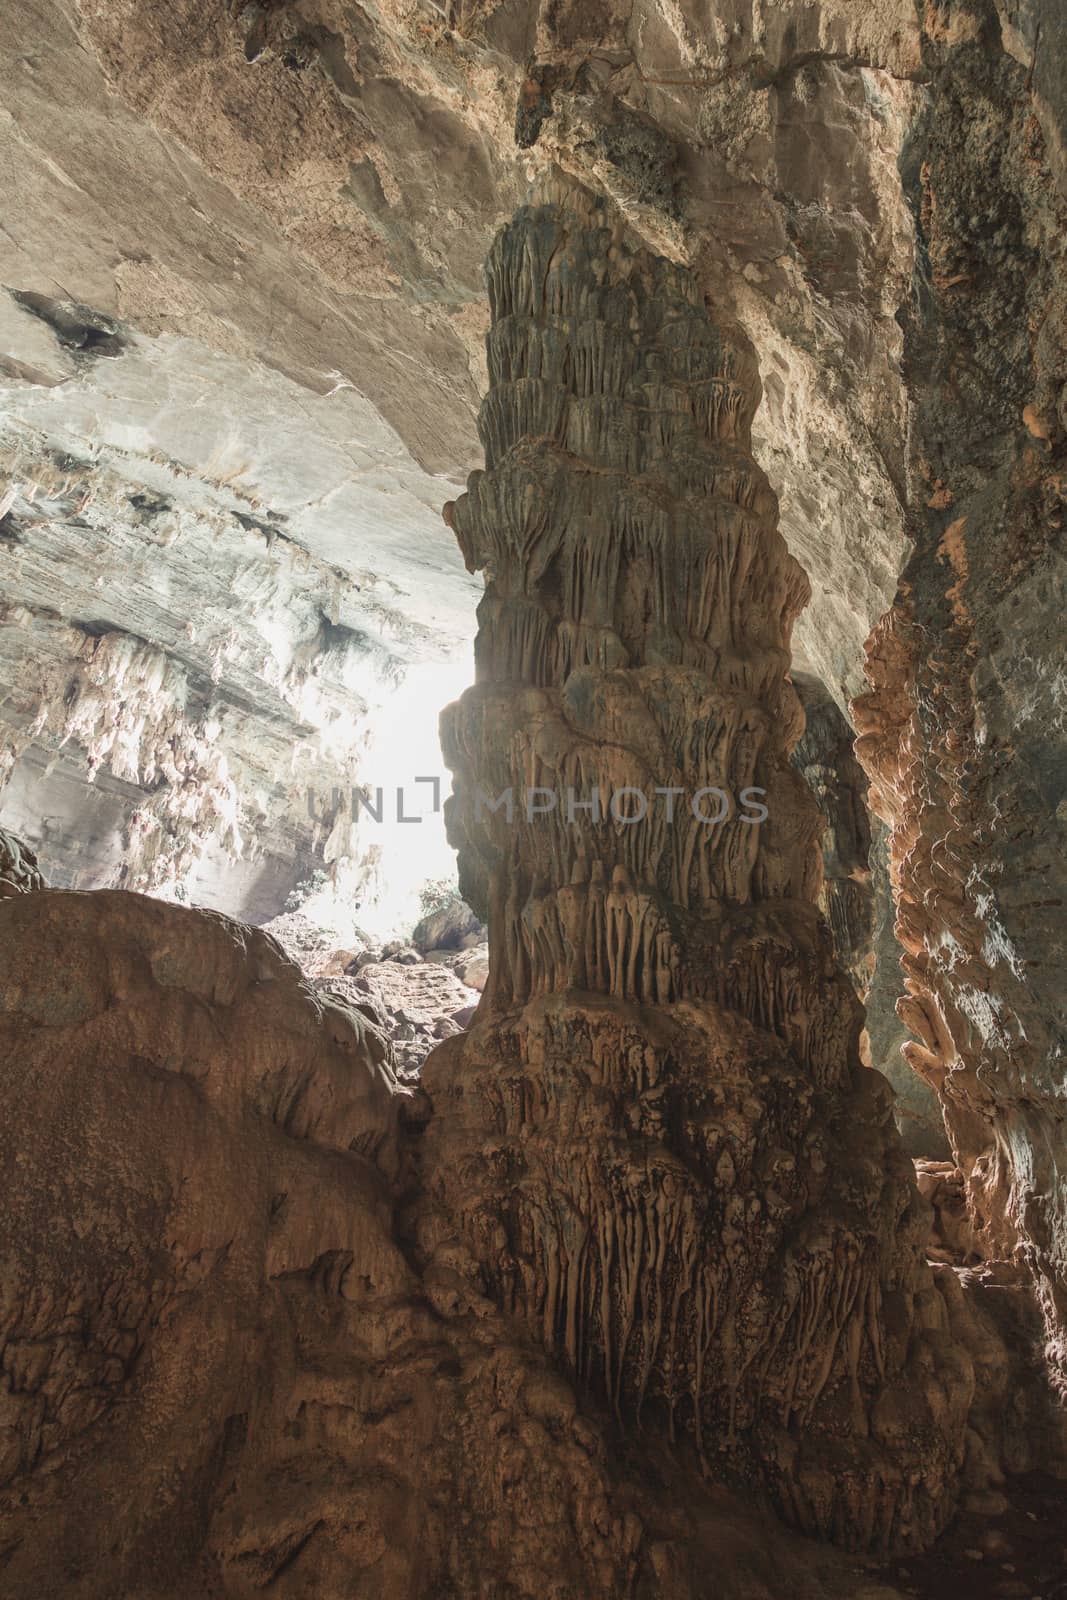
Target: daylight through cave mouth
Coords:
[(384, 851)]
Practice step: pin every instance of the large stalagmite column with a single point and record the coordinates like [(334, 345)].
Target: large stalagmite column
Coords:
[(657, 1145)]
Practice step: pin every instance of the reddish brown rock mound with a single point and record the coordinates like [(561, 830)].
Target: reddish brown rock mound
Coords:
[(222, 1374)]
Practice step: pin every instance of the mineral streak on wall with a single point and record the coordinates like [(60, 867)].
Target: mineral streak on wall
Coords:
[(658, 1140)]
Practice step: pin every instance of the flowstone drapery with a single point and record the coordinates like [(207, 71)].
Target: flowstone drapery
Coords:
[(657, 1141)]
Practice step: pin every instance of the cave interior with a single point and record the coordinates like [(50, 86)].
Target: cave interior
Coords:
[(533, 800)]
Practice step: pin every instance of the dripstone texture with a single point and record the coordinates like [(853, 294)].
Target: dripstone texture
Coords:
[(224, 1372), (857, 902), (241, 354), (825, 758), (963, 730), (692, 1190), (18, 867)]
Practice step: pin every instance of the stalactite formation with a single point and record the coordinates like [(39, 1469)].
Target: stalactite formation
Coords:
[(18, 867), (658, 1143), (962, 730)]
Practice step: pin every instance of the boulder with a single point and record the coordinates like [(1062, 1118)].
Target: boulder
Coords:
[(405, 955), (473, 967), (448, 928), (419, 994), (313, 948)]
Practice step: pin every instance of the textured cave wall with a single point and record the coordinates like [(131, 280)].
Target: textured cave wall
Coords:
[(963, 731), (825, 757), (217, 556), (292, 204), (694, 1193), (189, 643), (278, 215), (856, 899), (222, 1376), (919, 1111), (18, 867), (225, 1371), (242, 356)]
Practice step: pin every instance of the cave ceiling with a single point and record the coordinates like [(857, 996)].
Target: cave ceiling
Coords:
[(243, 328)]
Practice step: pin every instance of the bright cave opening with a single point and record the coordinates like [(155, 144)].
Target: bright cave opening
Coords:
[(386, 858)]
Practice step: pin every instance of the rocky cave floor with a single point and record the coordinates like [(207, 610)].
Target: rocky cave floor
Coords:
[(416, 991), (1017, 1553)]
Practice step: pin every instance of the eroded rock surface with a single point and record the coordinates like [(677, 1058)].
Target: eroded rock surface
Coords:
[(242, 360), (417, 1004), (825, 757), (18, 866), (241, 363), (223, 1372), (193, 1147), (856, 899), (697, 1196), (453, 926), (963, 730)]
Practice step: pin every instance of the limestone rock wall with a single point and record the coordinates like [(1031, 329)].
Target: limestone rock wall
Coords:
[(856, 899), (183, 657), (221, 1374), (846, 898), (241, 357), (919, 1111), (193, 1146), (962, 731), (658, 1139)]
